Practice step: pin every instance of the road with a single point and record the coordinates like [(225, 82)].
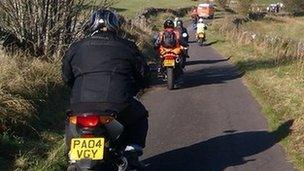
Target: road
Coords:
[(211, 123)]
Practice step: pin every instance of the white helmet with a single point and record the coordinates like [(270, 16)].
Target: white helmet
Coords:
[(201, 20)]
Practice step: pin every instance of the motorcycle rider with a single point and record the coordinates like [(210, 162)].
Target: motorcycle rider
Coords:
[(104, 72), (200, 26), (183, 32), (175, 43), (194, 16), (184, 37)]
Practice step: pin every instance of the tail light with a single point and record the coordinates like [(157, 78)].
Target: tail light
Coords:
[(170, 56), (90, 120)]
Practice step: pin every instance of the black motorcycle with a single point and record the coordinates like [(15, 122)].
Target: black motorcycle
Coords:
[(94, 142)]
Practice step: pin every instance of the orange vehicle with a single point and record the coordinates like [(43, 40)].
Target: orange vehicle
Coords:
[(206, 10)]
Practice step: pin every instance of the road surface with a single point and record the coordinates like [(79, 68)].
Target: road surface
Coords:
[(211, 123)]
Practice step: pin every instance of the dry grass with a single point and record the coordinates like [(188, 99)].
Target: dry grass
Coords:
[(286, 27), (274, 73), (32, 104), (19, 80)]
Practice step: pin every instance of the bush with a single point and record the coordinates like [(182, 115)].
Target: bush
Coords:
[(223, 3), (294, 6), (244, 6)]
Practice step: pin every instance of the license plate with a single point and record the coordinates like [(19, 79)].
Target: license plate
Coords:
[(87, 148), (169, 63)]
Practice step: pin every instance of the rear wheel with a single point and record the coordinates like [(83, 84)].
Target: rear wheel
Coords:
[(170, 78), (200, 42)]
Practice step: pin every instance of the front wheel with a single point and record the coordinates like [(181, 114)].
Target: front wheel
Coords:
[(170, 78)]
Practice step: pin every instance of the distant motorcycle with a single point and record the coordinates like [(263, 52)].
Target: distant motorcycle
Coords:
[(201, 27), (93, 142), (201, 38)]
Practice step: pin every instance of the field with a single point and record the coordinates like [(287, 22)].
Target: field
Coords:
[(130, 8), (285, 27)]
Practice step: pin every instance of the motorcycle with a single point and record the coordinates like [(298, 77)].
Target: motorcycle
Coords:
[(171, 66), (94, 142), (201, 38)]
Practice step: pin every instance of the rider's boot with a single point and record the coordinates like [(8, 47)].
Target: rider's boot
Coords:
[(132, 153)]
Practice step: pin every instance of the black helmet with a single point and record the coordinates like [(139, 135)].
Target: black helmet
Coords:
[(179, 23), (168, 24), (103, 19)]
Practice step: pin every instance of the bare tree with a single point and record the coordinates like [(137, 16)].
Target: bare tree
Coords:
[(45, 27)]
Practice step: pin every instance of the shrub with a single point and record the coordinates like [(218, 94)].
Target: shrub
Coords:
[(223, 3), (294, 6), (244, 6)]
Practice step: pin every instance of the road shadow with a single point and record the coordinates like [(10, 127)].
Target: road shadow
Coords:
[(206, 61), (211, 43), (192, 41), (216, 154), (206, 43), (211, 75)]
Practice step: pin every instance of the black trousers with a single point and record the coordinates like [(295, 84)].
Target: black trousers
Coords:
[(135, 120)]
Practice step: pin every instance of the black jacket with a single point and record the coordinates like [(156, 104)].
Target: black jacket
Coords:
[(103, 69), (184, 40)]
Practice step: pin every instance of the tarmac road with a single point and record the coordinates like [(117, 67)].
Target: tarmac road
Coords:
[(211, 123)]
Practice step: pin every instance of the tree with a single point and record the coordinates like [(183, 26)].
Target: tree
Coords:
[(45, 27)]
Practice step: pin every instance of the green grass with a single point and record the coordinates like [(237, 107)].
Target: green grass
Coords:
[(130, 8)]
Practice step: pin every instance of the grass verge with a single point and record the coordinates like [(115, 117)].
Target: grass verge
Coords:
[(32, 109)]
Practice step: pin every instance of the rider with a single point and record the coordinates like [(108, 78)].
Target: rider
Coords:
[(104, 72), (194, 16), (201, 26), (183, 32), (170, 38), (184, 38)]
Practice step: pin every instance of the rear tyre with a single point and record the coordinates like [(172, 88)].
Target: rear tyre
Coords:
[(200, 42), (170, 78)]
